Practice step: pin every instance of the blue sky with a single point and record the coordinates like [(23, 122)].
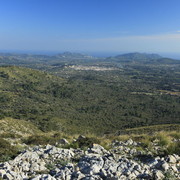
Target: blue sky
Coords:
[(90, 25)]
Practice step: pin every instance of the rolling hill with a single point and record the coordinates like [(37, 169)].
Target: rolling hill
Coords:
[(88, 101)]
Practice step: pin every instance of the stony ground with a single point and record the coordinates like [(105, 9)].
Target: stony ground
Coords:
[(122, 162)]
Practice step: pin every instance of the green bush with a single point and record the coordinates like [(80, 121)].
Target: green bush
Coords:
[(173, 148), (39, 140), (175, 135), (164, 140), (88, 141), (169, 176), (10, 135), (84, 142), (50, 166), (146, 143), (7, 151)]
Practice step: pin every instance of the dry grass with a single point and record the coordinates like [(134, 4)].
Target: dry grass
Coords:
[(17, 128), (33, 136), (175, 134), (163, 138)]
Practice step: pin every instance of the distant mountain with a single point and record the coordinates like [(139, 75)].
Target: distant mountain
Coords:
[(22, 59), (142, 58), (44, 61), (135, 57), (30, 60), (138, 56)]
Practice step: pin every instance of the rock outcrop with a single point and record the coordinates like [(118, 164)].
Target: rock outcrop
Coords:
[(94, 163)]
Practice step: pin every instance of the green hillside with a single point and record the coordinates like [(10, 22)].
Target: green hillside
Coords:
[(10, 128), (28, 94), (88, 101)]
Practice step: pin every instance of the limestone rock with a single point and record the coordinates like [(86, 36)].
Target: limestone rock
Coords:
[(96, 148), (96, 163), (165, 166), (171, 159), (63, 141), (158, 175)]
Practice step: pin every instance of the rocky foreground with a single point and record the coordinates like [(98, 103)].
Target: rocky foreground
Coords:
[(122, 162)]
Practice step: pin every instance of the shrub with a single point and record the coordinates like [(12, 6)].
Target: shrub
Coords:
[(164, 140), (146, 143), (169, 175), (88, 141), (10, 135), (39, 140), (173, 148), (175, 135), (7, 151), (122, 137), (57, 135), (106, 143), (84, 142), (50, 166)]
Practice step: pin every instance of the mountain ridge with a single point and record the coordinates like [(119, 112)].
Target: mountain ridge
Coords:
[(144, 58), (137, 55)]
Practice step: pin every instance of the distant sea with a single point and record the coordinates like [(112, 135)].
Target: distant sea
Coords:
[(171, 55)]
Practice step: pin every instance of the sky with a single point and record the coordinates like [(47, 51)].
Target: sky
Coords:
[(101, 26)]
